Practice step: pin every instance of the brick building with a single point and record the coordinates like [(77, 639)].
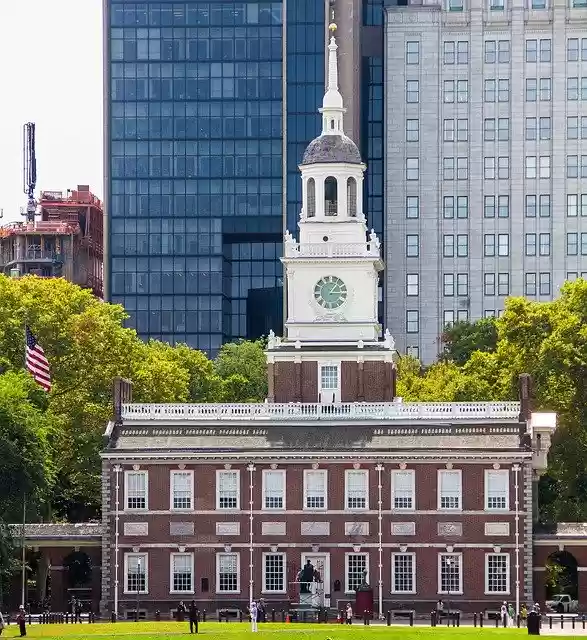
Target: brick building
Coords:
[(419, 501)]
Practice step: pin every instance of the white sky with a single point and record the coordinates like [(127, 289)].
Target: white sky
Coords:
[(50, 74)]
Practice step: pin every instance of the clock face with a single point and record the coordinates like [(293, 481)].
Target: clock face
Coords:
[(330, 292)]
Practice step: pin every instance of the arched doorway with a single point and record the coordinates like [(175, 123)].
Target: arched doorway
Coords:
[(562, 575), (78, 579)]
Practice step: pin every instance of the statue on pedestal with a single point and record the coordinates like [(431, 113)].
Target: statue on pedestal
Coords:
[(306, 576)]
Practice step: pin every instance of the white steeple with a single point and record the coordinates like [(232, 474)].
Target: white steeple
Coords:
[(332, 106)]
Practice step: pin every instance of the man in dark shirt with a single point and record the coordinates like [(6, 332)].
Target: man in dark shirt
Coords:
[(193, 614)]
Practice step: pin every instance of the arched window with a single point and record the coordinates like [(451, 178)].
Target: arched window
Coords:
[(332, 124), (351, 196), (311, 198), (330, 196)]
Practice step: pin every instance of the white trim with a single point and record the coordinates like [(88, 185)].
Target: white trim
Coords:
[(238, 571), (145, 474), (330, 512), (393, 557), (500, 472), (193, 572), (346, 568), (145, 556), (172, 474), (455, 472), (412, 473), (507, 574), (365, 474), (264, 488), (441, 557), (265, 556), (324, 473), (329, 392), (219, 472)]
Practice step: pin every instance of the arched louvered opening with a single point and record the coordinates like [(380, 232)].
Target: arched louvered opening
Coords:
[(330, 196), (311, 198), (351, 195)]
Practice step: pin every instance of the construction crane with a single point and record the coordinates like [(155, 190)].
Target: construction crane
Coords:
[(29, 170)]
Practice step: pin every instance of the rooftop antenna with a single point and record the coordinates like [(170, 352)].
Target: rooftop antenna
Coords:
[(29, 170)]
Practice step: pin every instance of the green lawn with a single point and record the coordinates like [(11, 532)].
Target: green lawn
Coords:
[(236, 631)]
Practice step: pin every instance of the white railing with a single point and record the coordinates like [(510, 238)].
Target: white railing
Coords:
[(315, 411), (330, 250)]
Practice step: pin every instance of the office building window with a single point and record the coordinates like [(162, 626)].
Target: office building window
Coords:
[(572, 166), (544, 205), (531, 50), (450, 490), (503, 51), (448, 91), (504, 206), (489, 168), (403, 573), (544, 284), (412, 207), (503, 284), (503, 244), (412, 52), (497, 570), (412, 168), (489, 207), (545, 48), (572, 275), (462, 168), (448, 130), (503, 90), (531, 90), (449, 50), (448, 246), (502, 55), (490, 52), (413, 351), (544, 244), (462, 245), (531, 128), (448, 282), (455, 5), (503, 168), (448, 318), (530, 206), (489, 245), (462, 206), (462, 284), (412, 130), (545, 132), (531, 167), (489, 91), (489, 284), (462, 52), (530, 244), (489, 129), (412, 321), (448, 207), (412, 245), (462, 315), (572, 49), (530, 284), (489, 313), (583, 243), (412, 91), (572, 244), (572, 205), (448, 168), (572, 127), (545, 89), (573, 88), (462, 90), (412, 284), (462, 129), (544, 167)]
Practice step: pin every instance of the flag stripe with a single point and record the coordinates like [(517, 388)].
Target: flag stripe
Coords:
[(36, 361)]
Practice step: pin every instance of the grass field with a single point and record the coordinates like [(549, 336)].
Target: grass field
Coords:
[(236, 631)]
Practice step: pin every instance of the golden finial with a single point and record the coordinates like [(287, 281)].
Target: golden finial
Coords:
[(332, 27)]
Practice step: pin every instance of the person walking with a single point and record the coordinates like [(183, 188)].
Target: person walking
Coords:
[(349, 614), (254, 612), (21, 619), (193, 615), (524, 615), (504, 614)]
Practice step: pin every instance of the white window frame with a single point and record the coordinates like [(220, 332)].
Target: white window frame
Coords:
[(145, 557), (346, 569), (393, 557), (219, 473), (144, 474), (412, 284), (498, 472), (454, 472), (441, 561), (329, 396), (172, 474), (172, 557), (324, 473), (407, 472), (238, 572), (263, 585), (365, 474), (507, 574), (264, 475)]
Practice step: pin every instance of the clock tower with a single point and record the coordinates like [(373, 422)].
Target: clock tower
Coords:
[(331, 351)]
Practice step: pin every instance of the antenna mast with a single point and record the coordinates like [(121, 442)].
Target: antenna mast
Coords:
[(29, 170)]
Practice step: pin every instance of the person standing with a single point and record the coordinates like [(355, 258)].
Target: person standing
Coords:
[(193, 615), (349, 614), (524, 615), (253, 611), (21, 619), (504, 614)]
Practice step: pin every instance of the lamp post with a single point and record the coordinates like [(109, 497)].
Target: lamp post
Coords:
[(448, 578), (516, 469), (251, 470), (379, 468), (138, 586), (117, 470)]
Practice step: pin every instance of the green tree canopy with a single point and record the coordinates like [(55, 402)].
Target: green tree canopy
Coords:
[(462, 339)]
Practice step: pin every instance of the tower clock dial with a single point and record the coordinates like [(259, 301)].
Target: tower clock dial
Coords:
[(330, 292)]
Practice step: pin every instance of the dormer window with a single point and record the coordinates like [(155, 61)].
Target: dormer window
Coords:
[(330, 196), (311, 198), (351, 194)]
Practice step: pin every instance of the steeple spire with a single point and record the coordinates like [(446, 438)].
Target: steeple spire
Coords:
[(332, 107)]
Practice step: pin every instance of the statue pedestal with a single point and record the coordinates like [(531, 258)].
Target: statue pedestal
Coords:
[(364, 601)]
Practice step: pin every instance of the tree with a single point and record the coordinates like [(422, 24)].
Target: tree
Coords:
[(245, 359), (462, 339)]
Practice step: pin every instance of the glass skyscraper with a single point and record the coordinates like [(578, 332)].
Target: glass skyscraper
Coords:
[(209, 105)]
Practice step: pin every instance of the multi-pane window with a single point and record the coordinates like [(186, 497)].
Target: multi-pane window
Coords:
[(545, 128), (531, 90), (448, 245), (403, 572), (357, 488), (412, 52), (497, 573), (544, 284), (462, 284), (448, 91), (449, 489), (227, 489), (448, 168), (576, 203), (403, 489), (545, 89), (462, 129), (182, 483), (489, 91), (412, 321), (136, 489), (462, 168), (315, 488), (544, 244), (489, 207), (538, 50), (531, 167), (489, 129), (572, 127), (572, 244), (462, 245), (489, 284), (412, 130), (489, 168), (573, 49), (530, 244), (530, 206), (412, 284), (412, 207), (530, 284), (450, 573), (356, 564), (544, 205), (489, 245), (503, 209), (412, 91), (572, 276), (497, 51), (413, 351), (462, 90), (583, 244), (448, 284), (448, 317), (573, 88), (449, 52), (227, 573), (503, 129), (457, 5), (273, 572), (329, 381), (503, 168), (462, 52), (448, 207), (448, 130), (531, 128), (497, 489), (274, 487), (182, 572), (135, 572), (503, 244), (412, 245), (412, 168), (503, 284)]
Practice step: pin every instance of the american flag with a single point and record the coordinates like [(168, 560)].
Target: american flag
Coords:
[(36, 361)]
